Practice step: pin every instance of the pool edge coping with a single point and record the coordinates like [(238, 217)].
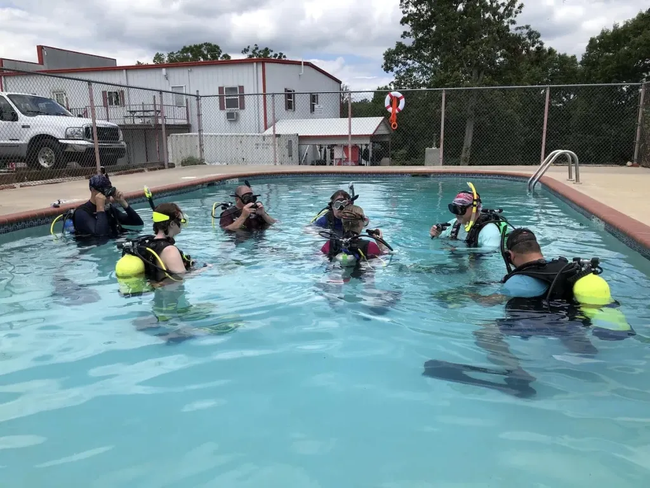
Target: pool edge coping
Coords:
[(631, 232)]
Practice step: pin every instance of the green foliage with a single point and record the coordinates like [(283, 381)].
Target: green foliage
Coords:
[(464, 43), (257, 52), (208, 51), (620, 54), (192, 161), (194, 52)]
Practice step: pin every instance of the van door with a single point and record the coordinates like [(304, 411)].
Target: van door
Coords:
[(11, 144)]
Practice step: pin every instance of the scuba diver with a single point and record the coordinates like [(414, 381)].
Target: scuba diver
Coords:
[(558, 298), (246, 214), (330, 216), (99, 216), (154, 257), (351, 249), (478, 227)]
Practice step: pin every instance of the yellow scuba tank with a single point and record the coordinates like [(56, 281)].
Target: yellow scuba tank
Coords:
[(593, 294), (130, 273)]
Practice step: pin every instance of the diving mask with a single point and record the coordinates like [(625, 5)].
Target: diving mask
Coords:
[(340, 204), (160, 217)]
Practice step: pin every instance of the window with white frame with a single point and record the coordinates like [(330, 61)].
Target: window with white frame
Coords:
[(179, 99), (313, 102), (59, 97), (113, 98), (232, 97), (289, 100)]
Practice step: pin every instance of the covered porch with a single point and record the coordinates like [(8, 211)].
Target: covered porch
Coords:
[(326, 141)]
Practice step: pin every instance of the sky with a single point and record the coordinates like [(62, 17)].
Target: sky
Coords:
[(345, 37)]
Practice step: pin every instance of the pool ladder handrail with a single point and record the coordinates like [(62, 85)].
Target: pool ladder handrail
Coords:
[(550, 159)]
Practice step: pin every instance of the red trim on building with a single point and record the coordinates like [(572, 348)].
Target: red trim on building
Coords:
[(183, 65), (266, 122)]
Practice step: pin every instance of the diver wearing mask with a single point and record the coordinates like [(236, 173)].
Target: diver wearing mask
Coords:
[(99, 216), (330, 216), (351, 249), (478, 227), (246, 214), (156, 257)]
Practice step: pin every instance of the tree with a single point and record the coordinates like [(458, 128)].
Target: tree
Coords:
[(256, 52), (620, 54), (458, 43), (194, 52)]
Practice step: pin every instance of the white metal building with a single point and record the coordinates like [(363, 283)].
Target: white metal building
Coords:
[(242, 103), (327, 140)]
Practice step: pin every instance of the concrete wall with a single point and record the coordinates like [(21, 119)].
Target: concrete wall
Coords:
[(243, 149)]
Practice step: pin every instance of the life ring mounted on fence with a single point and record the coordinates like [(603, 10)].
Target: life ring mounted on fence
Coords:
[(394, 104)]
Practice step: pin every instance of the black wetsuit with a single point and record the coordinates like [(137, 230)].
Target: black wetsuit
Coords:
[(88, 222)]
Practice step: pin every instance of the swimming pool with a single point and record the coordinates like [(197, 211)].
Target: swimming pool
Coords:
[(320, 384)]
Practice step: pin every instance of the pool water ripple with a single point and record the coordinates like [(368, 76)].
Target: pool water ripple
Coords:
[(301, 378)]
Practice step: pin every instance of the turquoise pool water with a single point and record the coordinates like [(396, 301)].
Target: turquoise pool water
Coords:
[(321, 384)]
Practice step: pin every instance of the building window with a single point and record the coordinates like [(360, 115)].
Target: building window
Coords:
[(113, 98), (59, 97), (179, 99), (313, 101), (290, 148), (290, 100), (232, 98)]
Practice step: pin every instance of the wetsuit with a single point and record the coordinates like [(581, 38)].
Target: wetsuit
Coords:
[(253, 222), (88, 221), (484, 219), (330, 222)]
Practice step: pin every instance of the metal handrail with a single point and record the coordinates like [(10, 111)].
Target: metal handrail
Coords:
[(550, 159)]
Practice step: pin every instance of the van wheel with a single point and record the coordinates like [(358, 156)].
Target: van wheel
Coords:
[(45, 154)]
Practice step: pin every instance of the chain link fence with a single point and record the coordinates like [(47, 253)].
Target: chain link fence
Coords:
[(642, 146), (58, 127)]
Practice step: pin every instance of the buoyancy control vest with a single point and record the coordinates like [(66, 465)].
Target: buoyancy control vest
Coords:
[(486, 217), (560, 274)]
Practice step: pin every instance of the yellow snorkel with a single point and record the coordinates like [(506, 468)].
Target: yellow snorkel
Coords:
[(468, 226), (149, 196)]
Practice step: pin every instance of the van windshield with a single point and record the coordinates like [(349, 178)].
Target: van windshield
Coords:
[(32, 106)]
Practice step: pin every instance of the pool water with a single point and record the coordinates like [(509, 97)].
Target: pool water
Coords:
[(305, 381)]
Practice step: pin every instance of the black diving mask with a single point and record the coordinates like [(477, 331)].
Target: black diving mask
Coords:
[(458, 209), (247, 198)]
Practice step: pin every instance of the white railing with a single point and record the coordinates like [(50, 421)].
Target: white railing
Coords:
[(550, 159)]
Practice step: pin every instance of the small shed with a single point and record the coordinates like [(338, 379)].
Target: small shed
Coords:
[(325, 141)]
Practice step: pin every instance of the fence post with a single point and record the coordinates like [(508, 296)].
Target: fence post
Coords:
[(639, 126), (275, 150), (155, 111), (164, 130), (546, 104), (350, 127), (199, 117), (442, 126), (93, 115)]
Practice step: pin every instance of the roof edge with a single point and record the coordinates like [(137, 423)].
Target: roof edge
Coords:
[(187, 64)]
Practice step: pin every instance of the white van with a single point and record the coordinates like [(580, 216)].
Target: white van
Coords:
[(44, 134)]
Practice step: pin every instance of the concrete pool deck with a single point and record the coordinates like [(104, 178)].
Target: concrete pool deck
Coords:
[(616, 195)]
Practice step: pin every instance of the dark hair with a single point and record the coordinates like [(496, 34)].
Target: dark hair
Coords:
[(523, 241), (339, 194), (170, 209)]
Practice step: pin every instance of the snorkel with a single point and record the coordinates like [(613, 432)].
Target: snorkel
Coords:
[(475, 201)]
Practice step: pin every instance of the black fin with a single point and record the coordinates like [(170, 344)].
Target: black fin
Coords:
[(443, 370)]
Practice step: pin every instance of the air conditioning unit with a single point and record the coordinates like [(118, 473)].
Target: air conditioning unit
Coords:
[(231, 116)]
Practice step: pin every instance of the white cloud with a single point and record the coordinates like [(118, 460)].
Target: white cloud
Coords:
[(346, 38)]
